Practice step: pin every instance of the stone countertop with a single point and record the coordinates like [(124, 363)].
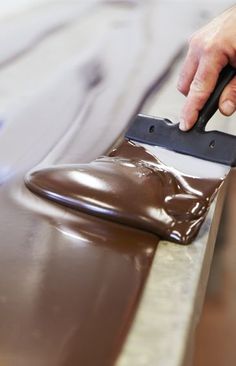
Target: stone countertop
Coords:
[(163, 331)]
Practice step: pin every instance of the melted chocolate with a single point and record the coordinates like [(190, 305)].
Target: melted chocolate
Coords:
[(69, 283), (132, 187)]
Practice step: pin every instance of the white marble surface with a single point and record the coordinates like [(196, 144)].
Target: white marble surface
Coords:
[(47, 69), (44, 78)]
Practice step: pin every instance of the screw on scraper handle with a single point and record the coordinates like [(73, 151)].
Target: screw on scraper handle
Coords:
[(214, 146), (212, 103)]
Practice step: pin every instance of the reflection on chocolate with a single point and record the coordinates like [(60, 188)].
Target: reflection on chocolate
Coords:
[(133, 187), (69, 285)]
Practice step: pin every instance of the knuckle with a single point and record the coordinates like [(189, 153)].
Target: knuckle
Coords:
[(208, 49), (205, 47), (211, 48), (197, 86), (193, 42), (233, 82), (183, 84), (199, 98), (232, 91), (197, 41)]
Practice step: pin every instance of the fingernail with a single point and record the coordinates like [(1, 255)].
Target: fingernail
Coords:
[(182, 125), (228, 107)]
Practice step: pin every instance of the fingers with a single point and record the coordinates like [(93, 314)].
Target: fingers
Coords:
[(227, 102), (200, 89), (187, 73), (210, 49)]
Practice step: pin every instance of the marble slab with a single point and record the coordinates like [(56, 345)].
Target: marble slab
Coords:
[(72, 74)]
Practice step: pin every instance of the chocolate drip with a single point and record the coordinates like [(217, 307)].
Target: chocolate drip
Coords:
[(131, 186)]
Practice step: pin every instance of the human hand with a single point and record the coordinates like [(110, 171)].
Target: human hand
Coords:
[(210, 49)]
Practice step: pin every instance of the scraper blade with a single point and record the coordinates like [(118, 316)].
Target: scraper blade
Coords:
[(214, 152)]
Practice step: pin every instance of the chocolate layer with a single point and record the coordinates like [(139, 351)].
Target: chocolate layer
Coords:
[(69, 283), (133, 187)]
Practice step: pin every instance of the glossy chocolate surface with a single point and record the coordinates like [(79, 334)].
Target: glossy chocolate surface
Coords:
[(69, 283), (131, 186)]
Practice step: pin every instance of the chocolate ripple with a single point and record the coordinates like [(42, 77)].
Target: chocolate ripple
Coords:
[(132, 187)]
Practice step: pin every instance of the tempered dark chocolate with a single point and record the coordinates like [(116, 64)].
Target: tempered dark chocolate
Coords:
[(131, 186), (69, 284)]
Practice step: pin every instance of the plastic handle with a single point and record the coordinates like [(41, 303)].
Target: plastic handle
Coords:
[(211, 106)]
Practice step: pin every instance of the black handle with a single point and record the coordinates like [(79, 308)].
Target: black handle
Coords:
[(214, 146), (211, 106)]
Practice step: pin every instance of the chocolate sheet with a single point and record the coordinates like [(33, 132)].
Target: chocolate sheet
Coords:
[(69, 283), (133, 187)]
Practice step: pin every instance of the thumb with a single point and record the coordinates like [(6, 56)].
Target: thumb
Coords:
[(227, 103)]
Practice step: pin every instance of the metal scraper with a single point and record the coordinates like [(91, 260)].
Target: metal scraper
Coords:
[(197, 152)]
